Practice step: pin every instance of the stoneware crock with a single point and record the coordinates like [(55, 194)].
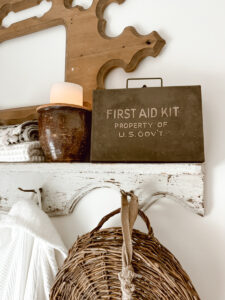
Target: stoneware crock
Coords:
[(64, 132)]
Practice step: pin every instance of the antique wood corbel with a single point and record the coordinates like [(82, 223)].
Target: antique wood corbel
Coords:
[(90, 53)]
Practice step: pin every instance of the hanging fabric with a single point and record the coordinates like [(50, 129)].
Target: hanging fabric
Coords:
[(31, 252)]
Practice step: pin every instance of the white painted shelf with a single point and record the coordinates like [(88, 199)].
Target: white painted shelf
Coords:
[(64, 184)]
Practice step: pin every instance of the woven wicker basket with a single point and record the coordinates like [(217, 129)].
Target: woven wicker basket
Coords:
[(111, 264)]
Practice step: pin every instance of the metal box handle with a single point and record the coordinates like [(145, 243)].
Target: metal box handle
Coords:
[(151, 78)]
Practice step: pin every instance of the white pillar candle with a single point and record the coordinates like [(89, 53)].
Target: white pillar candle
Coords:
[(66, 92)]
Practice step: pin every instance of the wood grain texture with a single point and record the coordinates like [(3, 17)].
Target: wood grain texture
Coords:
[(18, 115), (90, 54), (65, 184)]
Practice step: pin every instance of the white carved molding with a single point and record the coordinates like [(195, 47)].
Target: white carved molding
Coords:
[(64, 184)]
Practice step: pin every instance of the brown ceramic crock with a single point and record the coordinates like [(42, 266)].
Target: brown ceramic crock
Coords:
[(64, 132)]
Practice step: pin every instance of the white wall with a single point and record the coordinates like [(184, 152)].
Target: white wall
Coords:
[(195, 54), (29, 65)]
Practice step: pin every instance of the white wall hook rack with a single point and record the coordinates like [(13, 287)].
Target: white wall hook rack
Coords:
[(64, 184)]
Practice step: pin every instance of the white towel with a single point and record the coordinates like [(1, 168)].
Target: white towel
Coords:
[(23, 152), (14, 134), (31, 252)]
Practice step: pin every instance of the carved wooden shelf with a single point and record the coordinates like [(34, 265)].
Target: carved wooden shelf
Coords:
[(65, 183), (90, 53)]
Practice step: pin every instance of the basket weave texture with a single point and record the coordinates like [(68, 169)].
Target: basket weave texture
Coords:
[(93, 267)]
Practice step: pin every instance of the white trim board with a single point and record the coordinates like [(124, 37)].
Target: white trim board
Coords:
[(64, 184)]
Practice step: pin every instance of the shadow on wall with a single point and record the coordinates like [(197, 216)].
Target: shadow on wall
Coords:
[(192, 239)]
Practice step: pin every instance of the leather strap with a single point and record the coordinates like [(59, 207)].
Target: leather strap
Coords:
[(129, 212)]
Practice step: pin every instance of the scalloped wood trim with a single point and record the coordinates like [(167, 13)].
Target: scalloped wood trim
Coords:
[(65, 184), (90, 54)]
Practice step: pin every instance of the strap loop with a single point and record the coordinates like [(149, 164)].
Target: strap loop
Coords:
[(116, 212), (129, 211)]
